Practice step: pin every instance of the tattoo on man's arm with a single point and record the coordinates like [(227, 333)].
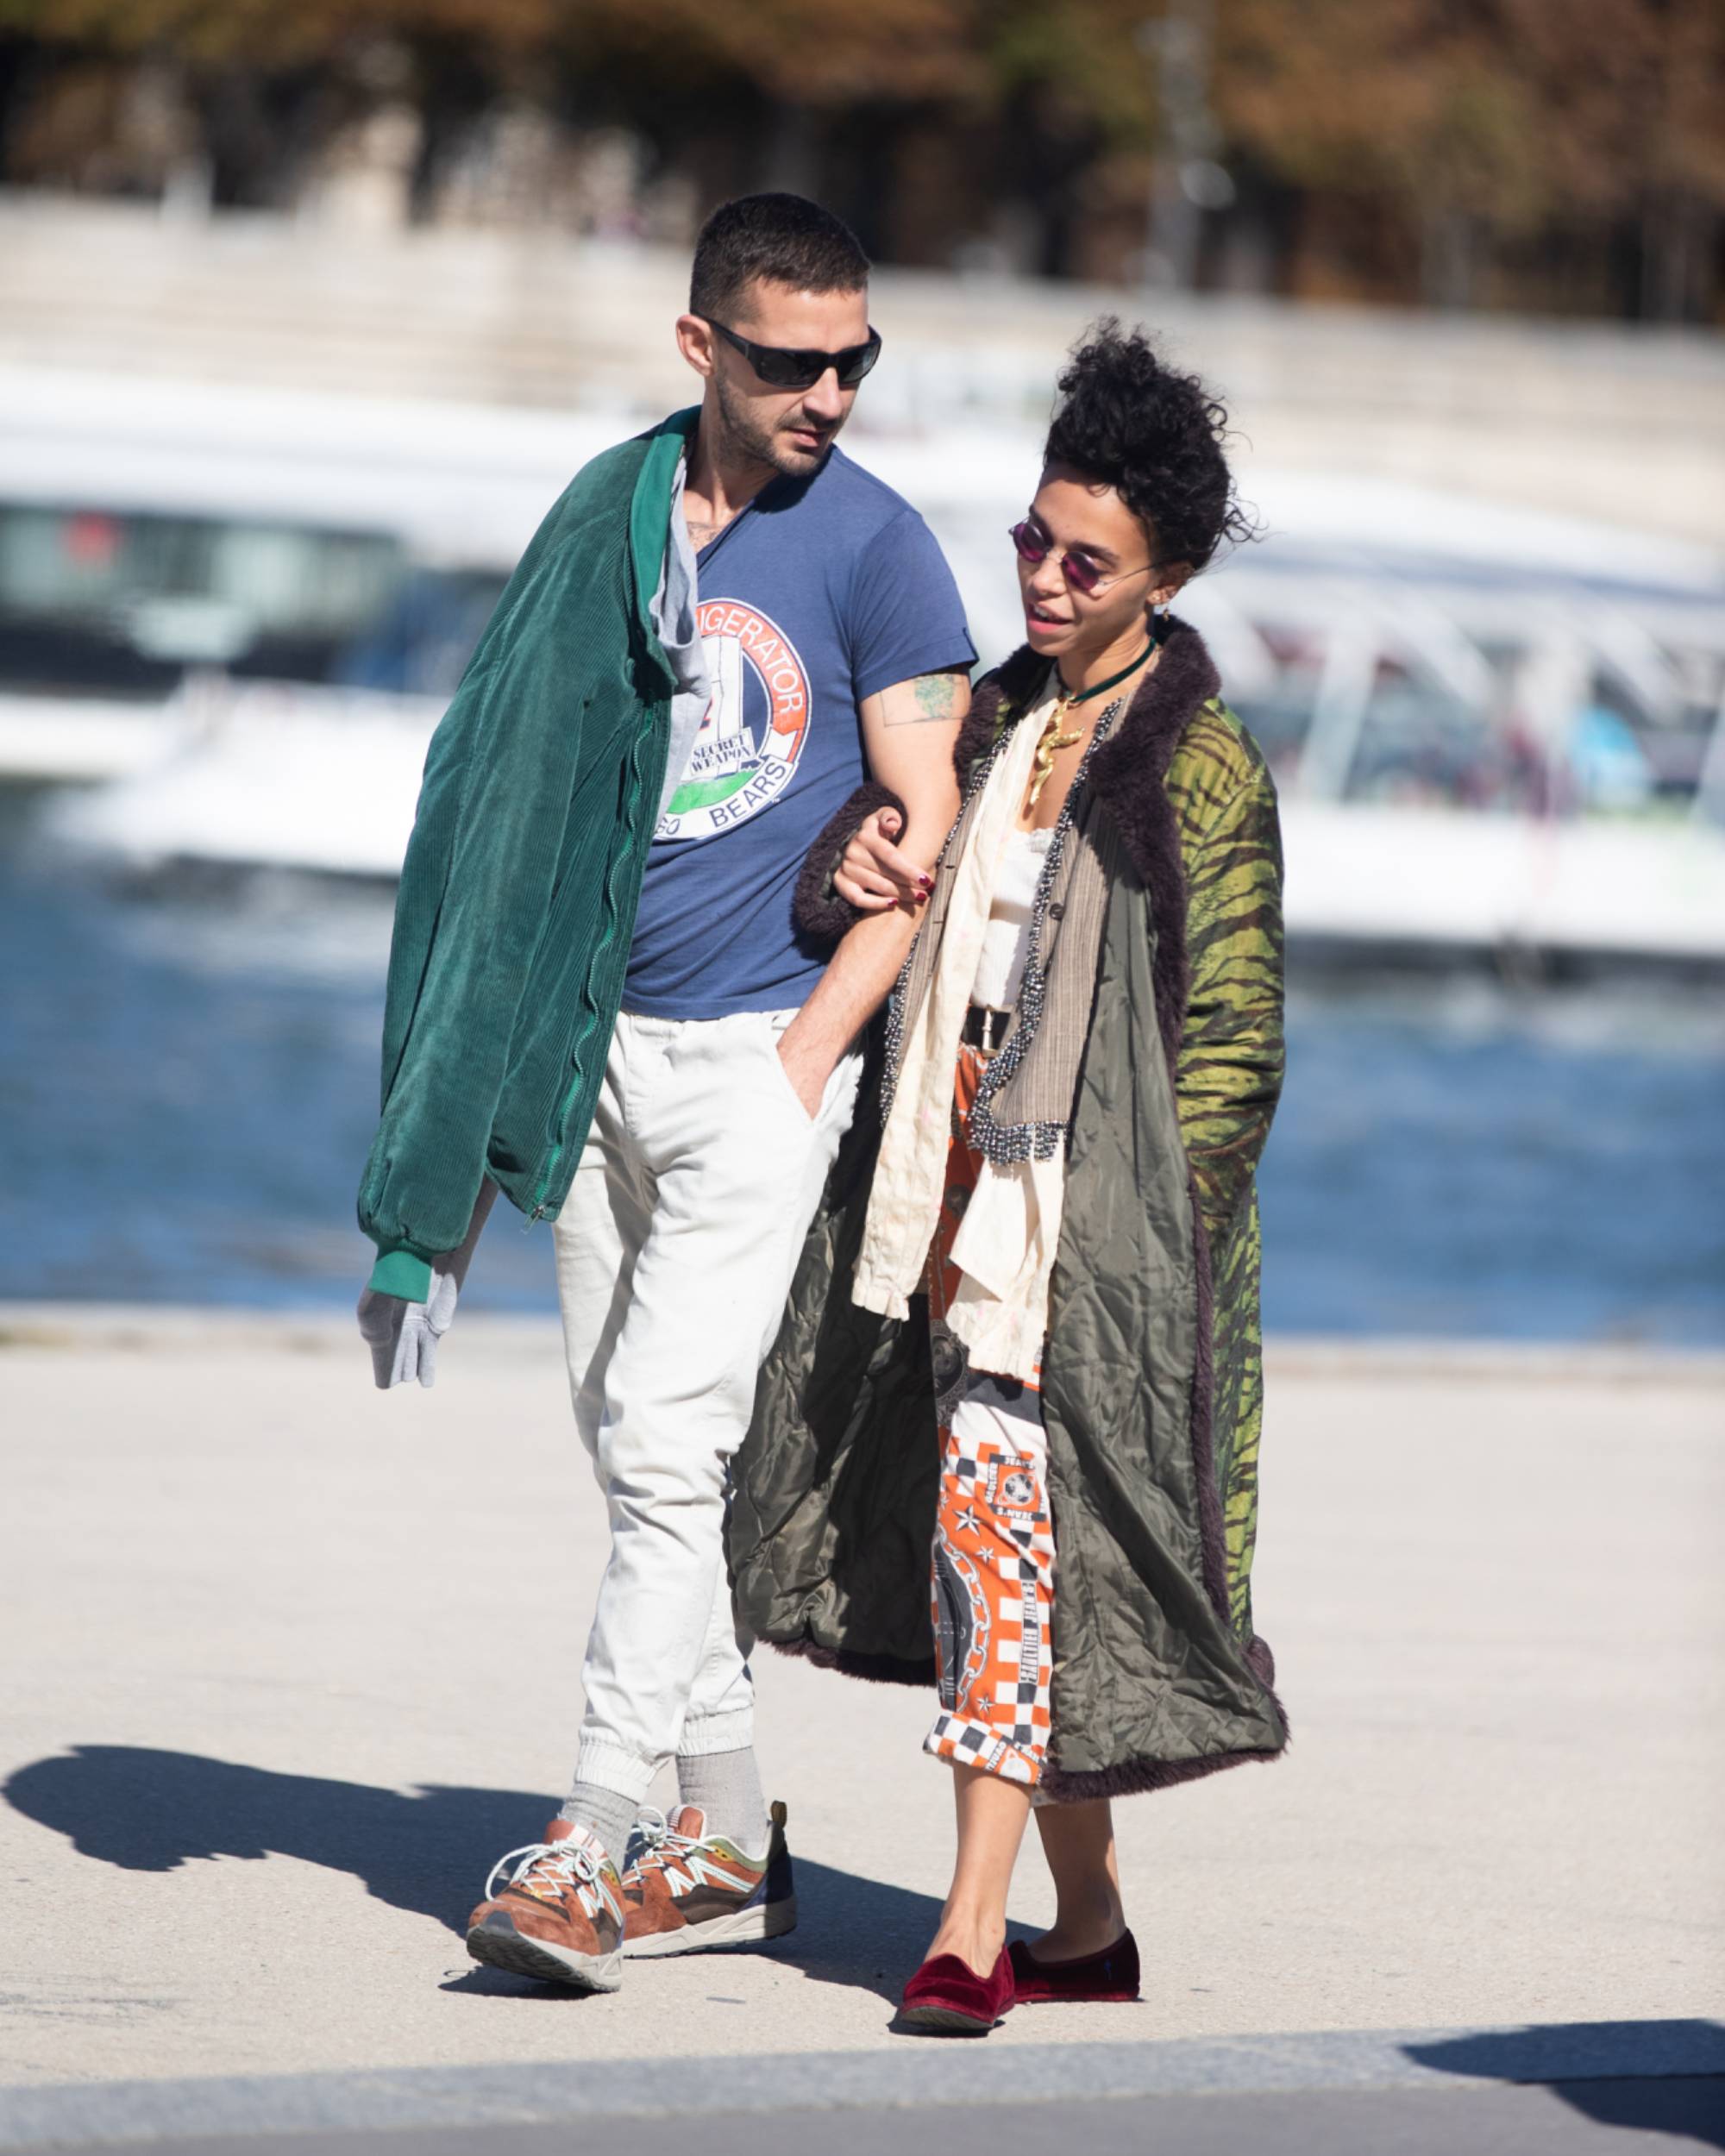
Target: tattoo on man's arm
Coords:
[(936, 697)]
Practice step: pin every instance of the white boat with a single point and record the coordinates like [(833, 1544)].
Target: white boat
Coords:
[(1493, 729), (1401, 881), (323, 780), (46, 739)]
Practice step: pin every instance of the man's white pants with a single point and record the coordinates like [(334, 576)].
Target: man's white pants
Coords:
[(675, 1250)]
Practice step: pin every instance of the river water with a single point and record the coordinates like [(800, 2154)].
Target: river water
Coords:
[(188, 1082)]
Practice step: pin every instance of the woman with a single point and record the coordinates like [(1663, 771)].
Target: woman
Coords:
[(1025, 1328)]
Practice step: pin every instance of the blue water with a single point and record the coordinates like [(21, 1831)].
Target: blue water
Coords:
[(188, 1081)]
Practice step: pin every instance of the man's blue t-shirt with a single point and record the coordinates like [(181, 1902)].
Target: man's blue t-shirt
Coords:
[(819, 594)]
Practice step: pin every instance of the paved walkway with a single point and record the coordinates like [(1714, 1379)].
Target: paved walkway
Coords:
[(289, 1663), (1492, 2093)]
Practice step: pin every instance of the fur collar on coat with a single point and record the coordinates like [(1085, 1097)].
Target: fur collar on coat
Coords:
[(1129, 772)]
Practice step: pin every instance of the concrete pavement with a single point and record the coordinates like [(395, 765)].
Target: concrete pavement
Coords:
[(1430, 2094), (1636, 2118), (289, 1662)]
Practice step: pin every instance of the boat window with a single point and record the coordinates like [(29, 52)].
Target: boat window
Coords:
[(119, 599)]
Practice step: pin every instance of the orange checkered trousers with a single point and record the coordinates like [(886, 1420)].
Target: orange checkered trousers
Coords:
[(993, 1539)]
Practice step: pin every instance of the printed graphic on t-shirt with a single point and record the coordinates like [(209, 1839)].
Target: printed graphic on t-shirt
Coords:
[(813, 598), (752, 738)]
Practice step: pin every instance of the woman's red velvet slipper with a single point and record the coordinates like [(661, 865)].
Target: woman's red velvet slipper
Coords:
[(948, 1998), (1111, 1974)]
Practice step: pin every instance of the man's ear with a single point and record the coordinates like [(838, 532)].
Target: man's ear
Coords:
[(698, 345)]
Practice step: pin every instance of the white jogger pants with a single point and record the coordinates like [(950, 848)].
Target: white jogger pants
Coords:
[(675, 1250)]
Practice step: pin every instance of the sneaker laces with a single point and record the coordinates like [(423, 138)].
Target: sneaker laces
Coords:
[(661, 1845), (561, 1865)]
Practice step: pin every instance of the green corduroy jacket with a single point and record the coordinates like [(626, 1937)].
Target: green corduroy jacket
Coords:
[(519, 888)]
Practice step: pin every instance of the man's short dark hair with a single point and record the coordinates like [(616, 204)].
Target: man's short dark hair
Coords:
[(784, 238)]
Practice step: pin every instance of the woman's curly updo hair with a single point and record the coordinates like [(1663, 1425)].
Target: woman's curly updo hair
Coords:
[(1126, 419)]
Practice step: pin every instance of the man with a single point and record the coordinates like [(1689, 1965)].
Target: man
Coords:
[(720, 634)]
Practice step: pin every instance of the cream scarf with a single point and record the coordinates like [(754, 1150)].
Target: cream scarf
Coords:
[(1005, 1247)]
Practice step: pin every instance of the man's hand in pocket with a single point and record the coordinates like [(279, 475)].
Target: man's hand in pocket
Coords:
[(807, 1064)]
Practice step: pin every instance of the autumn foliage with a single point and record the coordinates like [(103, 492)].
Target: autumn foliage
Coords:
[(1535, 153)]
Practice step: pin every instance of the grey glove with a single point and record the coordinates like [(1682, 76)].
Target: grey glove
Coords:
[(403, 1336)]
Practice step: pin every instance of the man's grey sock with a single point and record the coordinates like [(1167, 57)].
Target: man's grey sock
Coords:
[(727, 1787), (607, 1813)]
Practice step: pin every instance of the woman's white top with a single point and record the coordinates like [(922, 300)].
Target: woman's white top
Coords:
[(1006, 1244), (1006, 940)]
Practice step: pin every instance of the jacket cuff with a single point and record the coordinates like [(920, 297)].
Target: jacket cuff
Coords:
[(399, 1272), (816, 911)]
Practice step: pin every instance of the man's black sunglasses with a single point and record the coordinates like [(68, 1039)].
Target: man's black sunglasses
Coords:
[(783, 369)]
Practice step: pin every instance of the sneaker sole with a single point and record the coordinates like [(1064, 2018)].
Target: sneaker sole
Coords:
[(943, 2021), (772, 1921), (525, 1956)]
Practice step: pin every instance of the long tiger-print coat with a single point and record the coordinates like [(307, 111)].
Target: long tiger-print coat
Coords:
[(1152, 1394)]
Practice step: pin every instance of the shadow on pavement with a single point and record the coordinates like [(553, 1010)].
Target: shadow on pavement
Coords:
[(427, 1851), (1660, 2076), (860, 1933)]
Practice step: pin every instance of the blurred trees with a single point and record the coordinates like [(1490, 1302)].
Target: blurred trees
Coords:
[(1521, 150), (1460, 153)]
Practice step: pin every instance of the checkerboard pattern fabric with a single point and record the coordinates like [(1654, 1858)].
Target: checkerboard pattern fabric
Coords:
[(993, 1572), (994, 1546)]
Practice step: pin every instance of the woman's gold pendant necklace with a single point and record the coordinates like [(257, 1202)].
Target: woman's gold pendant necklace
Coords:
[(1052, 741)]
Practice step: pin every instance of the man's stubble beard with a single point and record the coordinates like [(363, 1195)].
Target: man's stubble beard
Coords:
[(746, 438)]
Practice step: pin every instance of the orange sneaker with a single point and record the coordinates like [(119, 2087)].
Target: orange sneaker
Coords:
[(560, 1917), (688, 1889)]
